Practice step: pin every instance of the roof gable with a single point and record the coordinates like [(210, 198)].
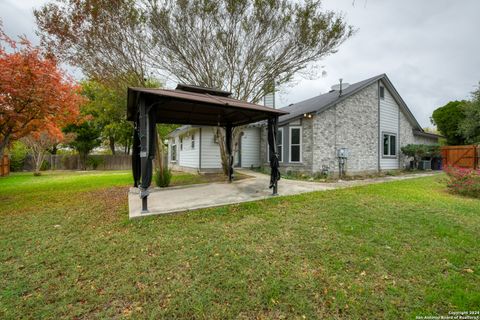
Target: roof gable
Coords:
[(323, 102)]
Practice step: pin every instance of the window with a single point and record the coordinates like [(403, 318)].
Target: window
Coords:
[(382, 92), (389, 145), (181, 144), (279, 146), (295, 144), (173, 151), (193, 141)]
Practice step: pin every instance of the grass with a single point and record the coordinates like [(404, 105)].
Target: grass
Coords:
[(393, 250)]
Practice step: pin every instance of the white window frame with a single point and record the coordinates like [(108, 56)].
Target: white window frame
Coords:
[(389, 156), (290, 144), (268, 148), (172, 147), (380, 91), (181, 143), (192, 143)]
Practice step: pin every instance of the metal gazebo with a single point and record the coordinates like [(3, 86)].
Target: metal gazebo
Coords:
[(193, 105)]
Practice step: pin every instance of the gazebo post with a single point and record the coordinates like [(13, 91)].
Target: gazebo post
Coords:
[(228, 142), (136, 169), (147, 127), (275, 132), (273, 153)]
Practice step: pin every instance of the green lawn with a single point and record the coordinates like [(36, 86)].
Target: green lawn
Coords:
[(392, 250)]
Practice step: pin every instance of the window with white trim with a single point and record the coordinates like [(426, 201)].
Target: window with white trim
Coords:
[(193, 141), (279, 146), (389, 145), (181, 144), (295, 144), (173, 151)]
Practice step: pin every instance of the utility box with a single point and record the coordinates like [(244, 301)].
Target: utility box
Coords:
[(342, 153)]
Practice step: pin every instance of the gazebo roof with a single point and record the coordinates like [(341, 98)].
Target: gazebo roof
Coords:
[(198, 106)]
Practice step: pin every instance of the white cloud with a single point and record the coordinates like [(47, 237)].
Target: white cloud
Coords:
[(427, 48)]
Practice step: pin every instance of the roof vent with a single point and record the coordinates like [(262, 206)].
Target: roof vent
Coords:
[(204, 90), (340, 87)]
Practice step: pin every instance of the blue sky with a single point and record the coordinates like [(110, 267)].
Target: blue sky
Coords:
[(429, 49)]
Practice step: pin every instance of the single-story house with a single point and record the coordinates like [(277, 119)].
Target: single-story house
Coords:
[(368, 119)]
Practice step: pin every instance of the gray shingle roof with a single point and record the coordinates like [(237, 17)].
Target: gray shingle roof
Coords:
[(323, 101)]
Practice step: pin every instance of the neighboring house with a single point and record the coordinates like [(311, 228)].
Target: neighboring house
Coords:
[(369, 118)]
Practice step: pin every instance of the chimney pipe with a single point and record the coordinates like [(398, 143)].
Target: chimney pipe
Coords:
[(340, 86)]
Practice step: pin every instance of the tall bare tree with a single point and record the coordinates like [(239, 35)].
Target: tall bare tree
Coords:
[(234, 45)]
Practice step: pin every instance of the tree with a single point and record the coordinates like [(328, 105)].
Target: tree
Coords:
[(85, 138), (245, 47), (34, 93), (470, 126), (448, 119), (38, 143), (108, 40), (107, 106)]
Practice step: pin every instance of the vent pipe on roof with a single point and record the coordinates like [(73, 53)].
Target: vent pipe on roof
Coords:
[(340, 87)]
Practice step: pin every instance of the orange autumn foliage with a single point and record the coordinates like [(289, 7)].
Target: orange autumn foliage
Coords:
[(35, 94)]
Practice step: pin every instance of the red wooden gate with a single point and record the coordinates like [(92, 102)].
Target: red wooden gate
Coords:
[(460, 156)]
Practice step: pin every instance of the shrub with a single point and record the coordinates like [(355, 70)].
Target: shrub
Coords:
[(94, 162), (18, 154), (45, 165), (464, 181), (162, 177)]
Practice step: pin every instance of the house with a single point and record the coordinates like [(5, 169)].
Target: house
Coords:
[(369, 120), (195, 148)]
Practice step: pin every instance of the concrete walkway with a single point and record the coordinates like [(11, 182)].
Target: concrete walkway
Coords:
[(184, 198)]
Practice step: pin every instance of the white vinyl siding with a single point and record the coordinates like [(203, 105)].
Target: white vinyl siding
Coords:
[(189, 157), (250, 148), (210, 150), (389, 119)]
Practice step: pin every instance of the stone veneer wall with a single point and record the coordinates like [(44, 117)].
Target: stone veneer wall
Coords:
[(353, 124), (307, 147), (406, 137)]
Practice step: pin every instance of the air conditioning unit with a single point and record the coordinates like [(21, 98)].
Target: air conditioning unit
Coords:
[(425, 165)]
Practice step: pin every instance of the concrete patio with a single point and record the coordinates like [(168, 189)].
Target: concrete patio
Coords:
[(186, 198)]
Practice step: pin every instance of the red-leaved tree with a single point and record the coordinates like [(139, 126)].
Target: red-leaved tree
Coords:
[(35, 94)]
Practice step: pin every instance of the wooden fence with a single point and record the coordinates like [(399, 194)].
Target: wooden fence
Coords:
[(4, 166), (460, 156), (105, 162)]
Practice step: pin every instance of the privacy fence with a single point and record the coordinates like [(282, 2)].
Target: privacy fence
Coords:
[(73, 162), (461, 156)]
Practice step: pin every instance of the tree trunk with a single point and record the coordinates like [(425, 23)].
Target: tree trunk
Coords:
[(220, 134), (38, 157), (83, 160), (111, 141), (159, 154), (3, 145)]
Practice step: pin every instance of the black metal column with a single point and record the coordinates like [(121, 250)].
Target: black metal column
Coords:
[(228, 142), (273, 153), (147, 150), (136, 169)]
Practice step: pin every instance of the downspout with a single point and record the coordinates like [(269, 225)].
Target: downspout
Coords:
[(378, 125), (398, 143), (200, 150)]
